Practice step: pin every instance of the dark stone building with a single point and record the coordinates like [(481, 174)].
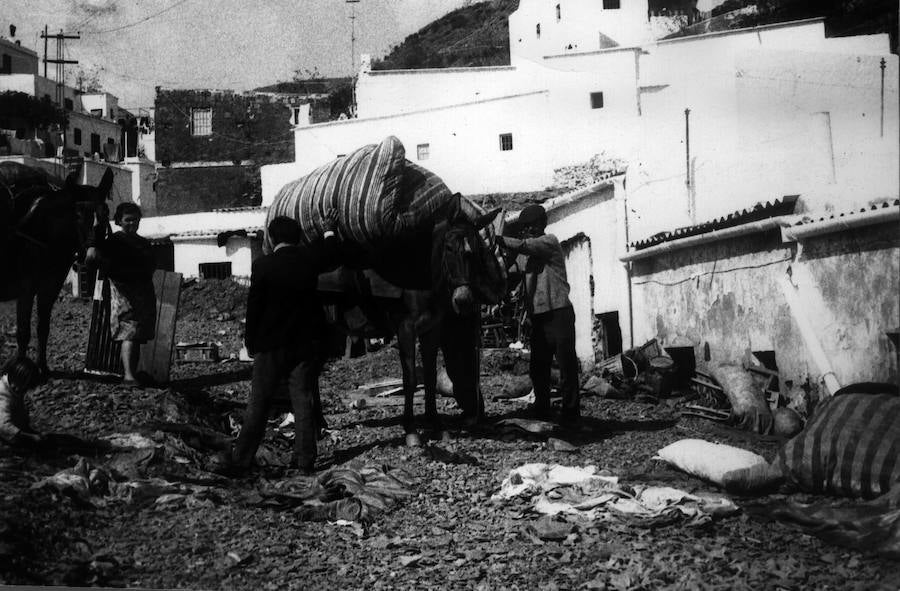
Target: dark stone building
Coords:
[(210, 144)]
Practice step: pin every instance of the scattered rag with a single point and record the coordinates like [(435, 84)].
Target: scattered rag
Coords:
[(589, 495)]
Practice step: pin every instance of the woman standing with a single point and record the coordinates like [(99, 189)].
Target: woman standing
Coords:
[(129, 263)]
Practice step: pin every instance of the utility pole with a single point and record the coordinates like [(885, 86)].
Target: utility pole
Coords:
[(352, 4), (60, 62), (883, 66)]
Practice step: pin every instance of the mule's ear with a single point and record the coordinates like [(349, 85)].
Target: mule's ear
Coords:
[(105, 184), (454, 208), (487, 218), (72, 178)]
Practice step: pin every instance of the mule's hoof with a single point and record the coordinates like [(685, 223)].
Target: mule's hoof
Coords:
[(413, 440)]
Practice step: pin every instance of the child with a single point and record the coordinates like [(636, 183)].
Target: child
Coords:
[(129, 263), (18, 376)]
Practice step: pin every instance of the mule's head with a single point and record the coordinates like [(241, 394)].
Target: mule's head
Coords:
[(464, 262), (91, 213)]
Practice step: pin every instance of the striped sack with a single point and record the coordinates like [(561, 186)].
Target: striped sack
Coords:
[(377, 193), (848, 448)]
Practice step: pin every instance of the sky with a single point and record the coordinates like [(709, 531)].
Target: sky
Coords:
[(219, 44)]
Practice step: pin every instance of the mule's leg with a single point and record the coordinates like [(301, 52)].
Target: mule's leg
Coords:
[(406, 340), (24, 307), (46, 297), (429, 342)]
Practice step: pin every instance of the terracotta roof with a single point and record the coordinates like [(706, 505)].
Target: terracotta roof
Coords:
[(760, 211), (808, 219)]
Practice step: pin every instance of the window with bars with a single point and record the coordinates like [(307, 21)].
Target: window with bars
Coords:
[(201, 121), (596, 100), (423, 151), (215, 270), (506, 142)]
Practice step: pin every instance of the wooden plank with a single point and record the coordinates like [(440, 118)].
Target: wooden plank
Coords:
[(102, 355), (156, 355)]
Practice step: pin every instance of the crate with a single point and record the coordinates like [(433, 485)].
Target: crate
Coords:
[(197, 352)]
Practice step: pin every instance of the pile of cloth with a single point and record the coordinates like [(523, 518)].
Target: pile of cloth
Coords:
[(553, 489), (355, 491)]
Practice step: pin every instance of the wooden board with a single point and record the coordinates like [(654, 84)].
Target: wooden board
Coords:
[(102, 354), (156, 355)]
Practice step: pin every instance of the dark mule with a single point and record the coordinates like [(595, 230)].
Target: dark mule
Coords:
[(464, 273), (46, 229)]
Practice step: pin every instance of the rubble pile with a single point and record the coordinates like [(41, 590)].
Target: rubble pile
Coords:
[(599, 167)]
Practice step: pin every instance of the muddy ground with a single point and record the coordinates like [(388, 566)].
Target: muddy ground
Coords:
[(215, 534)]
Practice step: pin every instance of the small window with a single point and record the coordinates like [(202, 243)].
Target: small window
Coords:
[(201, 121), (558, 13), (215, 270), (68, 104), (6, 68), (611, 4), (97, 112), (76, 136), (506, 143), (423, 151), (295, 117), (537, 29), (109, 140), (596, 100), (95, 143)]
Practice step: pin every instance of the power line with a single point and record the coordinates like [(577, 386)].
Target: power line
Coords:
[(138, 22)]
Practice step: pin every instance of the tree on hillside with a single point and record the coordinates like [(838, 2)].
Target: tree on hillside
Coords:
[(87, 80)]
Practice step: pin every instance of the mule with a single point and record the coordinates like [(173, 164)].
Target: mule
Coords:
[(47, 229), (465, 273)]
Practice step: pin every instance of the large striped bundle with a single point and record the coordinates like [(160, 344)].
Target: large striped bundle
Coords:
[(378, 195), (848, 448)]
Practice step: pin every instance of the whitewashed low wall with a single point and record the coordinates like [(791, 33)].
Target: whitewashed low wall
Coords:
[(191, 252)]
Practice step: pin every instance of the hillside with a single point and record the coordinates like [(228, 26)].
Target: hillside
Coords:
[(474, 35), (478, 34)]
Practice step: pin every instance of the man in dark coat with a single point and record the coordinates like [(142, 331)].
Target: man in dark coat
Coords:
[(285, 324)]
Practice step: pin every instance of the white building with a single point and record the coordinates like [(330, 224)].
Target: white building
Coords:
[(94, 132), (709, 125)]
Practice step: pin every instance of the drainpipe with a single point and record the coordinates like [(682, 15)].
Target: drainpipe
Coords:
[(883, 65), (798, 307), (627, 266)]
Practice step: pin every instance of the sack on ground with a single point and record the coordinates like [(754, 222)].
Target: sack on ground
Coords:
[(709, 461), (850, 447), (749, 409)]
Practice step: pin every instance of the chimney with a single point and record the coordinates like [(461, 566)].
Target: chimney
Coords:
[(12, 30)]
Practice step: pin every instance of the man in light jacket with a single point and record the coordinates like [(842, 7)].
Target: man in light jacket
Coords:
[(552, 316)]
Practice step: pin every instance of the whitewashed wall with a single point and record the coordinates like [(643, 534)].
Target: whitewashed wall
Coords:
[(393, 92), (464, 145), (580, 25), (764, 122), (191, 252), (596, 213)]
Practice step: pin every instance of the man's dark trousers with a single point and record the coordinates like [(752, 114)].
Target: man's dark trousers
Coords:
[(553, 333), (270, 368)]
